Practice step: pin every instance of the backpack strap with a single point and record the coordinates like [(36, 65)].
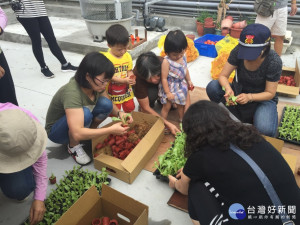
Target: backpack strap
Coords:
[(266, 183)]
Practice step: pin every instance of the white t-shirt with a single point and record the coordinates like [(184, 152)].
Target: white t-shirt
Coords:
[(31, 9)]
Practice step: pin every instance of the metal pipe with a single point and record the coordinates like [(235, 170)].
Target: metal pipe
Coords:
[(137, 14), (147, 4), (187, 8), (4, 3), (205, 4)]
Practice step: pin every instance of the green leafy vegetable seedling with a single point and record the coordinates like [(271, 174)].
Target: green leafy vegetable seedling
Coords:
[(123, 119)]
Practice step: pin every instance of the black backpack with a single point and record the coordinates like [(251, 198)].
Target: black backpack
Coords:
[(264, 7)]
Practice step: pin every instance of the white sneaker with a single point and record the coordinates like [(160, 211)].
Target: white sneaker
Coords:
[(79, 154)]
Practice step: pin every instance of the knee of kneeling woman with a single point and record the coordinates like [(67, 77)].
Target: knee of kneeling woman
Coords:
[(267, 130), (19, 192), (88, 116), (103, 108), (212, 89), (107, 105)]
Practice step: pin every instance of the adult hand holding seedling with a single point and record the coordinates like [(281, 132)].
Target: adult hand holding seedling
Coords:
[(118, 129), (244, 98), (126, 118), (228, 93), (37, 212), (229, 96)]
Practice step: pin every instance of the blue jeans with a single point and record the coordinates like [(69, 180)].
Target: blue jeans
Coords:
[(265, 117), (60, 130), (17, 185)]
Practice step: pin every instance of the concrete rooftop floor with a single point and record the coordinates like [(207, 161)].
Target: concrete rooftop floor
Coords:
[(34, 92)]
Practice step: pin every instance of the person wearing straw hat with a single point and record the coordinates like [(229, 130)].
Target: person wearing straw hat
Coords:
[(23, 159), (258, 70)]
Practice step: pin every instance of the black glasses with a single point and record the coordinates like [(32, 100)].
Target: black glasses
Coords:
[(101, 82)]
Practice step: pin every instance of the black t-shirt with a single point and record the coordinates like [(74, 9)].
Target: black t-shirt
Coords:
[(255, 81), (141, 85), (236, 182)]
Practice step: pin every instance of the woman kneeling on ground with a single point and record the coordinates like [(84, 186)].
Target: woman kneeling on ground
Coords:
[(215, 177), (148, 76), (258, 72), (82, 104)]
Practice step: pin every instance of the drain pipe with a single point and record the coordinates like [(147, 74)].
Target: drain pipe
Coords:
[(137, 14), (4, 3), (196, 4), (118, 10), (206, 4), (146, 9)]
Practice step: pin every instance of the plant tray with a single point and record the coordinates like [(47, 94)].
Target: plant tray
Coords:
[(157, 174), (57, 203), (294, 123)]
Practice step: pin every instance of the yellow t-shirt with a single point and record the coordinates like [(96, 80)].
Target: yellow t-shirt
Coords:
[(120, 93)]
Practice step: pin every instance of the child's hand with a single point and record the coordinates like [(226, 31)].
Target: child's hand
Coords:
[(170, 96), (130, 81), (190, 85)]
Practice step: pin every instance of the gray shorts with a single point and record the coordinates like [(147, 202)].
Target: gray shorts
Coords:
[(276, 23)]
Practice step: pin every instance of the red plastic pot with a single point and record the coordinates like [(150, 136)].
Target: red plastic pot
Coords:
[(229, 17), (226, 23), (235, 32), (241, 24), (113, 222), (200, 28), (208, 21), (105, 220), (96, 221), (224, 31), (212, 26), (52, 180), (190, 36)]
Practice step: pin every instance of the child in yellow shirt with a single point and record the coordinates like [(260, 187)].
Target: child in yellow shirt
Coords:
[(120, 87)]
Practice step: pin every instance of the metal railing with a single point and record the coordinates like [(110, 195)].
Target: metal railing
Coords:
[(241, 9)]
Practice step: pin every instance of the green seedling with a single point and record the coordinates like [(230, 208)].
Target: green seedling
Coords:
[(52, 179), (289, 128), (123, 119), (69, 190), (231, 100), (173, 159)]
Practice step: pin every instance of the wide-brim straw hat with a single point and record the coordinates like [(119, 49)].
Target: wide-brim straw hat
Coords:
[(22, 140)]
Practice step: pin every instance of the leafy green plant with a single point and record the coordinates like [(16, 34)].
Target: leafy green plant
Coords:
[(69, 190), (203, 15), (123, 119), (231, 100), (173, 159), (289, 128)]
